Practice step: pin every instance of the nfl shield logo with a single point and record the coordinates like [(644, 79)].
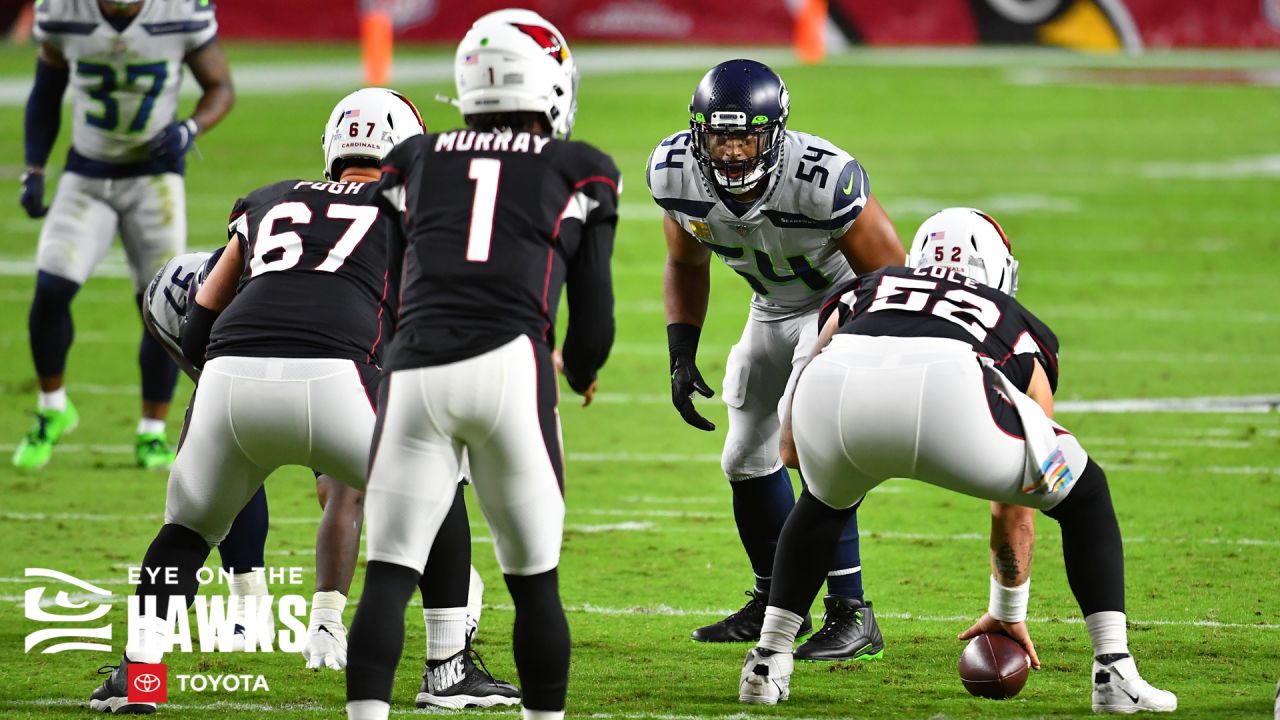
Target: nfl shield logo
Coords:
[(742, 230)]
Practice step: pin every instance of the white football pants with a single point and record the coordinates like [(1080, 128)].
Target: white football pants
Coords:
[(500, 407), (872, 408), (149, 211), (252, 415)]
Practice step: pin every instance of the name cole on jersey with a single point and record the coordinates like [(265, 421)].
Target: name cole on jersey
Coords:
[(783, 245), (124, 83), (314, 281), (936, 301)]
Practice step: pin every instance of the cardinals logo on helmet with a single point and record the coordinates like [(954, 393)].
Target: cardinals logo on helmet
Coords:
[(547, 39)]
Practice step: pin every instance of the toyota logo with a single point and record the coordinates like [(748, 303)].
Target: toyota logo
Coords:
[(146, 683)]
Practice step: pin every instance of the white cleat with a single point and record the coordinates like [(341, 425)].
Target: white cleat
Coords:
[(765, 679), (1118, 688), (326, 646)]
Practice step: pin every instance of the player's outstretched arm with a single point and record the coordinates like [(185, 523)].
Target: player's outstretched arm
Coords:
[(41, 123), (872, 242), (589, 291), (1012, 541), (686, 286), (209, 66)]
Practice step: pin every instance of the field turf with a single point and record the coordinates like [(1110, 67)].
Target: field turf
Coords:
[(1143, 206)]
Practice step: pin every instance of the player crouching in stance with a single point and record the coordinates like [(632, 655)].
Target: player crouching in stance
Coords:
[(449, 580), (935, 372), (496, 218), (286, 331)]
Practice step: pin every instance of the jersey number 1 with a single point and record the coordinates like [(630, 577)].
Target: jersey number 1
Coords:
[(485, 172)]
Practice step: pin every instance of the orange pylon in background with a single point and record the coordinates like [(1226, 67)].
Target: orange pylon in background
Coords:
[(810, 32), (375, 46)]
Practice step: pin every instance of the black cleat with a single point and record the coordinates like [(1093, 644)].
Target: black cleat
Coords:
[(457, 683), (112, 696), (848, 632), (744, 625)]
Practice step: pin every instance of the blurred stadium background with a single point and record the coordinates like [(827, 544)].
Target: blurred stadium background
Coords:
[(1129, 147)]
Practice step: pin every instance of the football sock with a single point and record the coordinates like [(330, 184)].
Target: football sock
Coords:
[(148, 640), (49, 325), (475, 600), (760, 507), (805, 549), (845, 575), (53, 400), (527, 714), (446, 631), (253, 582), (368, 710), (1108, 634), (159, 373), (243, 547), (540, 640), (174, 547), (779, 630), (447, 577), (150, 426), (1091, 546), (376, 639)]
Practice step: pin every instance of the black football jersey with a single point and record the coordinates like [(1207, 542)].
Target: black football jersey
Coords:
[(939, 302), (492, 225), (315, 280)]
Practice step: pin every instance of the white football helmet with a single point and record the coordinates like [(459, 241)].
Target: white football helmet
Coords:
[(970, 242), (367, 124), (513, 61)]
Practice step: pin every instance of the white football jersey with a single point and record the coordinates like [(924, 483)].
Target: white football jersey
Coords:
[(171, 290), (784, 245), (124, 84)]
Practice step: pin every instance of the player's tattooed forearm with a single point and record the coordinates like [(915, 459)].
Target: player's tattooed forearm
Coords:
[(1007, 564)]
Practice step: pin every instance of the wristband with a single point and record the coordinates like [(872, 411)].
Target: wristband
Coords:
[(1009, 604), (682, 340)]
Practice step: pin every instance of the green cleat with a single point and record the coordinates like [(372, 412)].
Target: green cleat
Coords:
[(152, 451), (36, 448)]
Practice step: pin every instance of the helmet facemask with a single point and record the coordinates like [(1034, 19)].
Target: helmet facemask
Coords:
[(735, 154)]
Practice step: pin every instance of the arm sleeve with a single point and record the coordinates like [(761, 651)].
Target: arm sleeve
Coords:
[(44, 112), (391, 198), (589, 282), (196, 332)]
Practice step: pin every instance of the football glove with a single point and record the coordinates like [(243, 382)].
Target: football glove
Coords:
[(326, 642), (32, 197), (685, 381), (173, 142)]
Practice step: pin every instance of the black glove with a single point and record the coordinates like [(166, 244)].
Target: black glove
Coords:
[(173, 142), (32, 198), (682, 339)]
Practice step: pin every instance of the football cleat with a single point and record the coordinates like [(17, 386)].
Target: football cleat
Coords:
[(112, 696), (326, 646), (152, 451), (745, 624), (456, 682), (36, 448), (1117, 688), (848, 632), (765, 678)]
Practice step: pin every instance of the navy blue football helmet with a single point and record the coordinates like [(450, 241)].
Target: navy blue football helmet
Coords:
[(737, 104)]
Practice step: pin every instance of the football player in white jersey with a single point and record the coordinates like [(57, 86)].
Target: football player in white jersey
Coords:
[(793, 215), (124, 62)]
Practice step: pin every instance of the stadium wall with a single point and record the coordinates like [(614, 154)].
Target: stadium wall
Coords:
[(1084, 24)]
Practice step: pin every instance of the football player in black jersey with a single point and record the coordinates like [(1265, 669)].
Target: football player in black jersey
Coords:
[(496, 218), (288, 375), (936, 372)]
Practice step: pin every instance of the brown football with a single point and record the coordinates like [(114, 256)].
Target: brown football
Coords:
[(994, 666)]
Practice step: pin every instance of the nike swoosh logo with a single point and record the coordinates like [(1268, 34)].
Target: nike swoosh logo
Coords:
[(849, 188), (1134, 698)]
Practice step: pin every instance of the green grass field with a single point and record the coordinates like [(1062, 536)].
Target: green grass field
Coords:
[(1145, 216)]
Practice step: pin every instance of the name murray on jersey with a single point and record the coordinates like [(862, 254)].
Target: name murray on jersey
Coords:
[(475, 141)]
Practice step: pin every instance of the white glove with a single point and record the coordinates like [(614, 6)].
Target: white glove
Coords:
[(326, 642)]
